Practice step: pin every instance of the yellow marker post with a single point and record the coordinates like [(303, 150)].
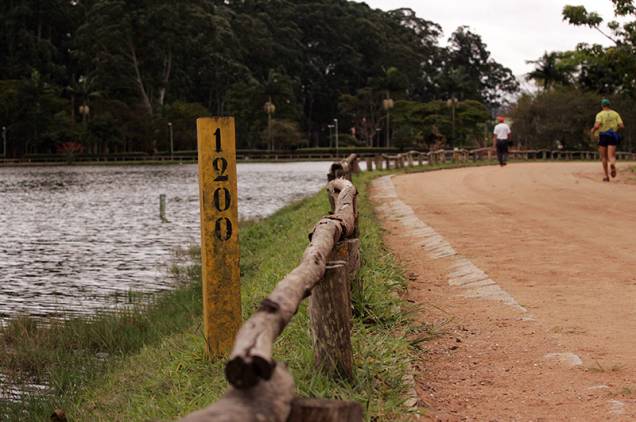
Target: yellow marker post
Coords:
[(218, 195)]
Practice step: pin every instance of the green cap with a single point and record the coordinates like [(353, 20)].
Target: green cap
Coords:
[(605, 102)]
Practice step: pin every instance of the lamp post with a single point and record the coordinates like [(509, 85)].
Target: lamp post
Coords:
[(388, 104), (377, 132), (171, 141), (4, 142), (452, 103), (330, 135), (270, 109), (335, 121), (85, 110)]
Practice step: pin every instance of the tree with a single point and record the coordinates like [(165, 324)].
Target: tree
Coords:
[(140, 46), (471, 74), (607, 70), (536, 124), (552, 69), (134, 63), (37, 119), (285, 134)]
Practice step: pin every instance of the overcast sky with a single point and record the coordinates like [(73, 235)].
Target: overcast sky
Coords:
[(514, 30)]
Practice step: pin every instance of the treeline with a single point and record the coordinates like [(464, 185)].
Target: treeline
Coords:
[(572, 83), (114, 76)]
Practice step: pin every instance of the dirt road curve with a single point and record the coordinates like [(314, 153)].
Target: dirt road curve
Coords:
[(562, 244)]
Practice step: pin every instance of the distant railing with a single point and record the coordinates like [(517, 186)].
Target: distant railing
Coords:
[(374, 155), (380, 162), (262, 389)]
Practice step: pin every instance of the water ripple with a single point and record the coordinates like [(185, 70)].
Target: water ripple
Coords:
[(76, 239)]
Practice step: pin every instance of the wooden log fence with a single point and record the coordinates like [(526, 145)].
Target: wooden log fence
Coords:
[(262, 389), (412, 158)]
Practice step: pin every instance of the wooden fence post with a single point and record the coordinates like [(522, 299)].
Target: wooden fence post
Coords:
[(315, 410), (410, 158), (162, 208), (420, 161), (369, 164), (387, 162), (378, 162), (349, 251), (331, 319)]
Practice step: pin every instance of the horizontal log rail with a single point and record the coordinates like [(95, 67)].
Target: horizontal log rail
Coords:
[(251, 359)]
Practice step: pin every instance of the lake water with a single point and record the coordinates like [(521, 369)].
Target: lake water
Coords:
[(76, 239)]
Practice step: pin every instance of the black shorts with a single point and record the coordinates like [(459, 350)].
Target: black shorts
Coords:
[(607, 140)]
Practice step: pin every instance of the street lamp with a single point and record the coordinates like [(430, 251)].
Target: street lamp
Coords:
[(388, 104), (4, 141), (335, 121), (171, 141), (452, 103), (270, 109), (330, 135)]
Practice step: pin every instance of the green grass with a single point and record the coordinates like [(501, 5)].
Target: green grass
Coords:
[(148, 362)]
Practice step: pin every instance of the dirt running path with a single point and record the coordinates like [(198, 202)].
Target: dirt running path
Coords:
[(527, 277)]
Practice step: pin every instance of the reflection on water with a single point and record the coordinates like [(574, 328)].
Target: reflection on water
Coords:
[(73, 239)]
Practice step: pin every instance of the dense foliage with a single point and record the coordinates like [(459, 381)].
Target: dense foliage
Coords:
[(106, 76), (573, 82)]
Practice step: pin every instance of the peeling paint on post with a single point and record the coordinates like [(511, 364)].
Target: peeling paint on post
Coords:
[(219, 233)]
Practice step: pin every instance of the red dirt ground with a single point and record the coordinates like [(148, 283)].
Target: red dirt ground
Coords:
[(563, 244)]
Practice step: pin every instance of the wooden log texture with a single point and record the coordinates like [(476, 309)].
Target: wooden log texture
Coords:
[(251, 359), (313, 410), (268, 401), (330, 315), (349, 251), (387, 162), (344, 168)]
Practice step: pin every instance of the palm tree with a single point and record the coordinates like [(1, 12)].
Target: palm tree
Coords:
[(84, 89), (550, 70)]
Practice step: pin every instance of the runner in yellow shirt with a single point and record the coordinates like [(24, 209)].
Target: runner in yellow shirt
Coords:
[(608, 123)]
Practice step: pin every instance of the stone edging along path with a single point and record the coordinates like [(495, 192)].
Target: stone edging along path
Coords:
[(462, 272)]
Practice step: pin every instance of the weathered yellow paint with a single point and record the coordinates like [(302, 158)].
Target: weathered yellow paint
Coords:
[(219, 233)]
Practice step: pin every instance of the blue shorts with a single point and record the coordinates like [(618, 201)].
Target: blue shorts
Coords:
[(608, 138)]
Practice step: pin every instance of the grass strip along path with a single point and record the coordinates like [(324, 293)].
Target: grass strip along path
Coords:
[(148, 362)]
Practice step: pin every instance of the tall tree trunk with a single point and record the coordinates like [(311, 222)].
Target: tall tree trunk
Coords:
[(138, 79), (167, 70)]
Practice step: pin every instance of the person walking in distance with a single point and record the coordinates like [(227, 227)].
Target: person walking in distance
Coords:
[(607, 124), (500, 139)]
